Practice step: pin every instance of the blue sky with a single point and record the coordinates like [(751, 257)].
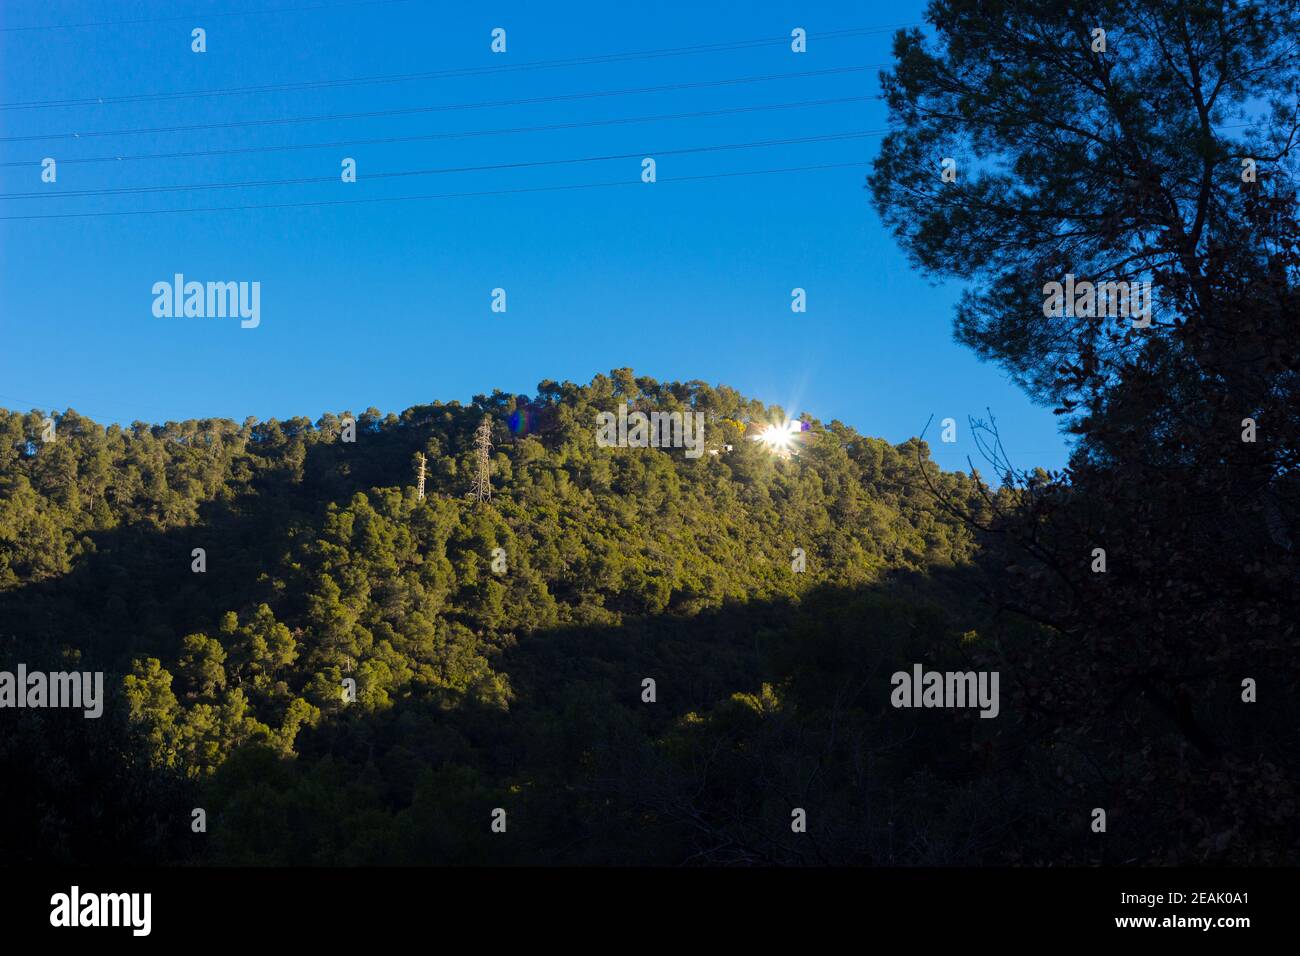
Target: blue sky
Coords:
[(388, 304)]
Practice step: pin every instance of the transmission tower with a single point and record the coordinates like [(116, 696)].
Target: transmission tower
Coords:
[(419, 486), (482, 487)]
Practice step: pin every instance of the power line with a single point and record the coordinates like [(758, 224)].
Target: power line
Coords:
[(433, 196), (205, 16), (465, 134), (528, 164), (487, 104), (727, 47)]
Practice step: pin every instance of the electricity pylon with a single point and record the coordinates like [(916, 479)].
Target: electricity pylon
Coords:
[(481, 490)]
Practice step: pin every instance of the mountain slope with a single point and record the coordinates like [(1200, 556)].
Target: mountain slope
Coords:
[(518, 686)]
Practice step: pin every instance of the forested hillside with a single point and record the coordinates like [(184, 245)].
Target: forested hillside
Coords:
[(475, 689), (517, 687)]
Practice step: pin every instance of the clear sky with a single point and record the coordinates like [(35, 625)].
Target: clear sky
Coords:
[(388, 304)]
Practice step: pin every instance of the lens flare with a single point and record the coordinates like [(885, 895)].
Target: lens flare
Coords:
[(522, 421), (782, 439), (776, 437)]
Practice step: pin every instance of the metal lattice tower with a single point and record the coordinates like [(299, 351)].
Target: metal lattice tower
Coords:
[(419, 486), (481, 490)]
